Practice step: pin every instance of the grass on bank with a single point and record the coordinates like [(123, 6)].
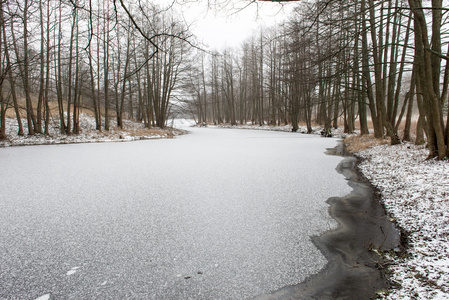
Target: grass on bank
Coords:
[(356, 143)]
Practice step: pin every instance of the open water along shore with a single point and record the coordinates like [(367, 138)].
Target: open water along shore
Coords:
[(354, 269)]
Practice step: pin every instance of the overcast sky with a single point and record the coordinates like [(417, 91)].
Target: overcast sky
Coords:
[(230, 25)]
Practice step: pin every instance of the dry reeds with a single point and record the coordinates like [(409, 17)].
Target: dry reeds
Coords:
[(147, 132), (358, 143)]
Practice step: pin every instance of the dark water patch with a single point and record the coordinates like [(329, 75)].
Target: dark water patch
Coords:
[(339, 150), (354, 269)]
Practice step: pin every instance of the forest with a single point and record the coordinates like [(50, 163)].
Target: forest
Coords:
[(368, 66)]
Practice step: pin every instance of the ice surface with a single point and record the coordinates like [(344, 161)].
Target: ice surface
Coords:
[(217, 213)]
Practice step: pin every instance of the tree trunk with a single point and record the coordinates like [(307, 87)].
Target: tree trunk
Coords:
[(24, 70), (10, 74), (428, 74), (59, 76)]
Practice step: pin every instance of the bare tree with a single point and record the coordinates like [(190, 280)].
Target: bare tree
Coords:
[(428, 58)]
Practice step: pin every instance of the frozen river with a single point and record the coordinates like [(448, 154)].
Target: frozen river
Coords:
[(215, 214)]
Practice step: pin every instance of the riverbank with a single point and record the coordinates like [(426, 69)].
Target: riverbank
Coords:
[(415, 193), (131, 131), (316, 130)]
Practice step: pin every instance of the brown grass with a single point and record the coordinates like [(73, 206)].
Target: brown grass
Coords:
[(358, 143), (147, 132), (53, 105)]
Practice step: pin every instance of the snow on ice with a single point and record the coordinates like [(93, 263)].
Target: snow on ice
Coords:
[(415, 192)]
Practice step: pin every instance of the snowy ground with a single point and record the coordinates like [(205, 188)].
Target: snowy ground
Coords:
[(131, 131), (415, 192), (316, 130)]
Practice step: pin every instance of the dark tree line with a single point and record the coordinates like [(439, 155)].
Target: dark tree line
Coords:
[(360, 64), (116, 59), (363, 64)]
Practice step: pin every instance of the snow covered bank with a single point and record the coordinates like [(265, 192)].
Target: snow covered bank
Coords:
[(131, 131), (415, 193), (339, 132)]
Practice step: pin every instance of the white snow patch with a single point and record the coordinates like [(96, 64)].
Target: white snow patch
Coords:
[(44, 297), (72, 271), (181, 123), (415, 192)]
